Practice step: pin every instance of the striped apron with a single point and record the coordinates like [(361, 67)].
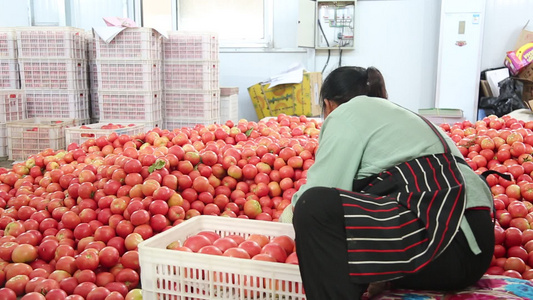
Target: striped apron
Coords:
[(402, 218)]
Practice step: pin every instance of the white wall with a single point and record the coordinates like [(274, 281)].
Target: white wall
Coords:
[(503, 23), (244, 69), (400, 37), (88, 13), (14, 13)]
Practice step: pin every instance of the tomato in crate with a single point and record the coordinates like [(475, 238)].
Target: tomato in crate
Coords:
[(53, 42), (172, 273), (190, 46), (119, 106), (30, 136), (53, 73), (195, 75), (130, 44), (124, 75), (57, 104), (8, 43), (191, 107), (82, 133), (9, 74)]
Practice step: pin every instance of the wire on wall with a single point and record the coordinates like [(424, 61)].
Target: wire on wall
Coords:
[(327, 43)]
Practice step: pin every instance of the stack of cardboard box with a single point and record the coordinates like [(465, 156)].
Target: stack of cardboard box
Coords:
[(524, 49)]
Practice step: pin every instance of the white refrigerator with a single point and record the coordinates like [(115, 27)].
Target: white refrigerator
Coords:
[(459, 57)]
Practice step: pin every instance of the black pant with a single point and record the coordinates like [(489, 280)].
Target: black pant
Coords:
[(322, 251)]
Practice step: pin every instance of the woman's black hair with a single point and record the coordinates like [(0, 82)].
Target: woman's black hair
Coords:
[(345, 83)]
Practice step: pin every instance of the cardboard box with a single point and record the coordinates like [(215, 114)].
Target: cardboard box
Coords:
[(526, 36), (518, 62), (527, 72), (485, 89), (291, 99)]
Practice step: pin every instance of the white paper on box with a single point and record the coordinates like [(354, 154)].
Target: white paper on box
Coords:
[(494, 77), (294, 74), (107, 34), (119, 22)]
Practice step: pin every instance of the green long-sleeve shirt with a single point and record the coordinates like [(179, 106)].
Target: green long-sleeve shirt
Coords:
[(367, 135)]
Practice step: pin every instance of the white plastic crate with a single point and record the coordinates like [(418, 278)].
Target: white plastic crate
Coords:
[(202, 75), (93, 75), (171, 274), (3, 152), (187, 104), (3, 140), (127, 105), (12, 106), (9, 74), (51, 42), (147, 126), (30, 136), (151, 125), (57, 104), (8, 43), (91, 45), (94, 107), (58, 74), (229, 104), (183, 46), (172, 123), (79, 135), (130, 43), (128, 75), (79, 122)]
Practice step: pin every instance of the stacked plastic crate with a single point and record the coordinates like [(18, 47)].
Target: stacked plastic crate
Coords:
[(94, 110), (9, 76), (12, 98), (53, 72), (190, 79), (229, 104), (128, 80)]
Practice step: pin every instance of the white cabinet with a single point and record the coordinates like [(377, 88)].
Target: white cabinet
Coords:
[(459, 59)]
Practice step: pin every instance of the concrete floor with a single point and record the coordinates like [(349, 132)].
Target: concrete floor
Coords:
[(6, 163)]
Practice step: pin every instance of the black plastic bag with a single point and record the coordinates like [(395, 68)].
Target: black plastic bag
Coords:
[(510, 98)]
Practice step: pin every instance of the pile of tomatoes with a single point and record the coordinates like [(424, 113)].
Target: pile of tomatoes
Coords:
[(71, 219), (506, 145)]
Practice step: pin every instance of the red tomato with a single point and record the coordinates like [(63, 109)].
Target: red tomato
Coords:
[(83, 289), (87, 260), (129, 277), (17, 284), (196, 242)]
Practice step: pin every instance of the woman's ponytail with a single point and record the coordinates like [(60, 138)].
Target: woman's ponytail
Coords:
[(345, 83), (376, 83)]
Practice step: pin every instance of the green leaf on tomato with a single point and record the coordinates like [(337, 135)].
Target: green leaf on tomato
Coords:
[(159, 164), (248, 132)]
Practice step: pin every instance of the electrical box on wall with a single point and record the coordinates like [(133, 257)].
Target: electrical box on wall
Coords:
[(335, 21), (326, 24), (306, 24)]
